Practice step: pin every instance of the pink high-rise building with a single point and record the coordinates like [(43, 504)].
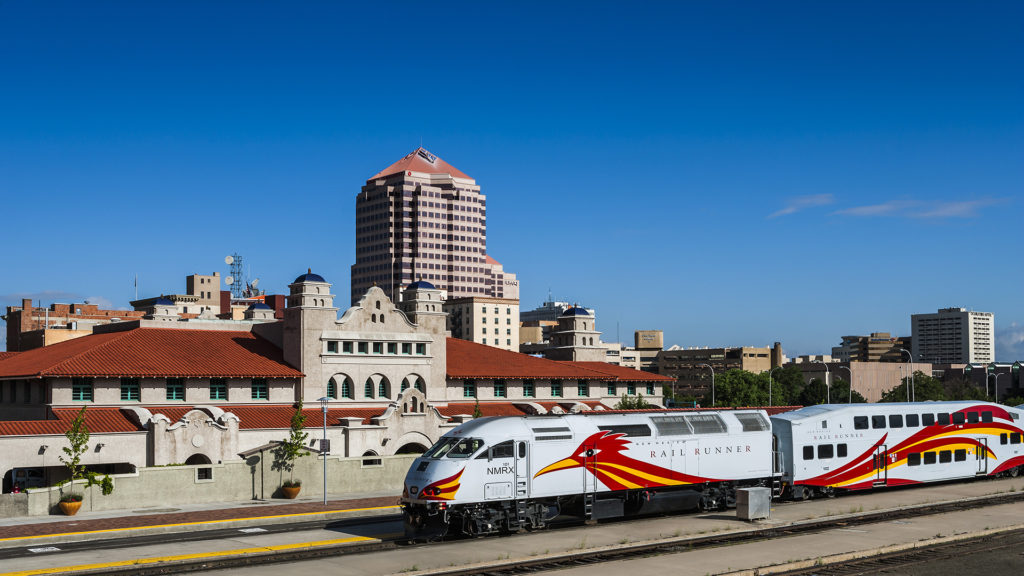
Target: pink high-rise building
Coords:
[(423, 219)]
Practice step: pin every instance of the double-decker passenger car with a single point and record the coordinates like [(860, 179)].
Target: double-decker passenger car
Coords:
[(506, 473), (863, 446)]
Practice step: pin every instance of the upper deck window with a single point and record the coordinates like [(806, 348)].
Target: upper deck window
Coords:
[(752, 422), (878, 421)]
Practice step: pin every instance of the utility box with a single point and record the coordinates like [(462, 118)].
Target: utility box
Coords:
[(753, 503)]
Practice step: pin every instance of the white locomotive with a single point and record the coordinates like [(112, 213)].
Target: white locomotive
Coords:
[(506, 473)]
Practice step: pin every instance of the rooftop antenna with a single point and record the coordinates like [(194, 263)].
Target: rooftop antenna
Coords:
[(235, 280)]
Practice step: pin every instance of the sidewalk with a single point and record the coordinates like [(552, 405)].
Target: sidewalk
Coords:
[(121, 523)]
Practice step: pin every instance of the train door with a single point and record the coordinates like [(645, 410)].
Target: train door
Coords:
[(982, 456), (881, 465), (522, 465), (589, 462)]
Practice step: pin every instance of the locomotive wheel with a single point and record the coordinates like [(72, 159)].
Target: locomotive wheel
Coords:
[(1014, 472)]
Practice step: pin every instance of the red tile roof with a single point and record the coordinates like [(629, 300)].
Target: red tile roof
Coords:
[(486, 409), (416, 162), (98, 420), (6, 355), (625, 373), (260, 416), (471, 360), (155, 352)]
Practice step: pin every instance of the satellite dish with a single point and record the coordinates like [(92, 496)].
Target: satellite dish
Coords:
[(255, 282), (230, 279), (229, 260)]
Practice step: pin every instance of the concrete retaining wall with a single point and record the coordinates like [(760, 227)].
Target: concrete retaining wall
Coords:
[(255, 478)]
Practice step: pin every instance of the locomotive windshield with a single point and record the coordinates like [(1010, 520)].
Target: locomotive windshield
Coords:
[(454, 448)]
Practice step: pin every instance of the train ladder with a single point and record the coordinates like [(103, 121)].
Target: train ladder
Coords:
[(589, 483)]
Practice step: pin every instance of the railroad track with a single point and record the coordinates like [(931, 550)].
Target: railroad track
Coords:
[(588, 557)]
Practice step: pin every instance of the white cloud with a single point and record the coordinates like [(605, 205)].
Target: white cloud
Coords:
[(920, 209), (100, 301), (1010, 343), (801, 202)]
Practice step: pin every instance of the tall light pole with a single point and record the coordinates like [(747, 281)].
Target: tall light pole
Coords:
[(828, 394), (996, 376), (770, 384), (910, 368), (847, 368), (908, 387), (323, 446), (708, 366)]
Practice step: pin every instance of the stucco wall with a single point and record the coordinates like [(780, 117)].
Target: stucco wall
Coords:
[(256, 478)]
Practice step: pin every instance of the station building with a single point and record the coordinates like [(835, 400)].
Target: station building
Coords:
[(163, 390)]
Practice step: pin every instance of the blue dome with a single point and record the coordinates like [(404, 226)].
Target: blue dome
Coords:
[(576, 311), (421, 285), (161, 301), (309, 277), (259, 306)]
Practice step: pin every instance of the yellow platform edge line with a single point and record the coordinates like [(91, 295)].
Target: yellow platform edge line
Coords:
[(180, 557), (278, 516)]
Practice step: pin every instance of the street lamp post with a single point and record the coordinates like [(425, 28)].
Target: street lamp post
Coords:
[(770, 384), (708, 366), (828, 392), (323, 446), (847, 368), (996, 376), (910, 368)]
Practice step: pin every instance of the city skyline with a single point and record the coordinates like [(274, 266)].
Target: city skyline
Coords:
[(733, 175)]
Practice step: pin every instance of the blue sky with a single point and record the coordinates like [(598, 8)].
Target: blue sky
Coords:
[(732, 173)]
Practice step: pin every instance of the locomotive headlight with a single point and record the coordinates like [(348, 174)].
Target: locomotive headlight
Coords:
[(413, 490)]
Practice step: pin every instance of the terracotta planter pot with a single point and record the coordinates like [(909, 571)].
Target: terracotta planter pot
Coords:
[(290, 492), (70, 508)]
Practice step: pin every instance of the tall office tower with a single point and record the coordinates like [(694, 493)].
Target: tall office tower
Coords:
[(953, 335), (423, 219)]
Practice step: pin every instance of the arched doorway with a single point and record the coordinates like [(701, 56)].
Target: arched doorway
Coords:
[(197, 459), (412, 448)]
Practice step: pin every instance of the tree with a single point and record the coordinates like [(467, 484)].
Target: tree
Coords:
[(840, 391), (632, 403), (960, 390), (924, 388), (293, 448), (78, 443), (1013, 401), (739, 388), (787, 386), (815, 392)]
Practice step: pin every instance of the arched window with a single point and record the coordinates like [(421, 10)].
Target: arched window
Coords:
[(346, 389), (382, 388), (421, 385), (373, 318), (332, 389), (378, 304), (368, 388)]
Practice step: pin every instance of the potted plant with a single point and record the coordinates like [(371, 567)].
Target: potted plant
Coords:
[(78, 444), (290, 488), (291, 449), (70, 503)]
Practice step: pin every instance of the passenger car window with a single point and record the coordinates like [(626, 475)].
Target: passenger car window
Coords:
[(1015, 438), (945, 456), (914, 459), (841, 450), (912, 421), (959, 418), (986, 416), (860, 422), (808, 452), (943, 419), (825, 451), (927, 419), (929, 457), (878, 421), (960, 455), (895, 420), (972, 417)]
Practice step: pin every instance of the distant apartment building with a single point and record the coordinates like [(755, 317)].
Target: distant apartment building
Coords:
[(30, 327), (689, 366), (202, 297), (878, 347), (953, 336), (490, 321), (549, 311), (643, 355), (423, 219)]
